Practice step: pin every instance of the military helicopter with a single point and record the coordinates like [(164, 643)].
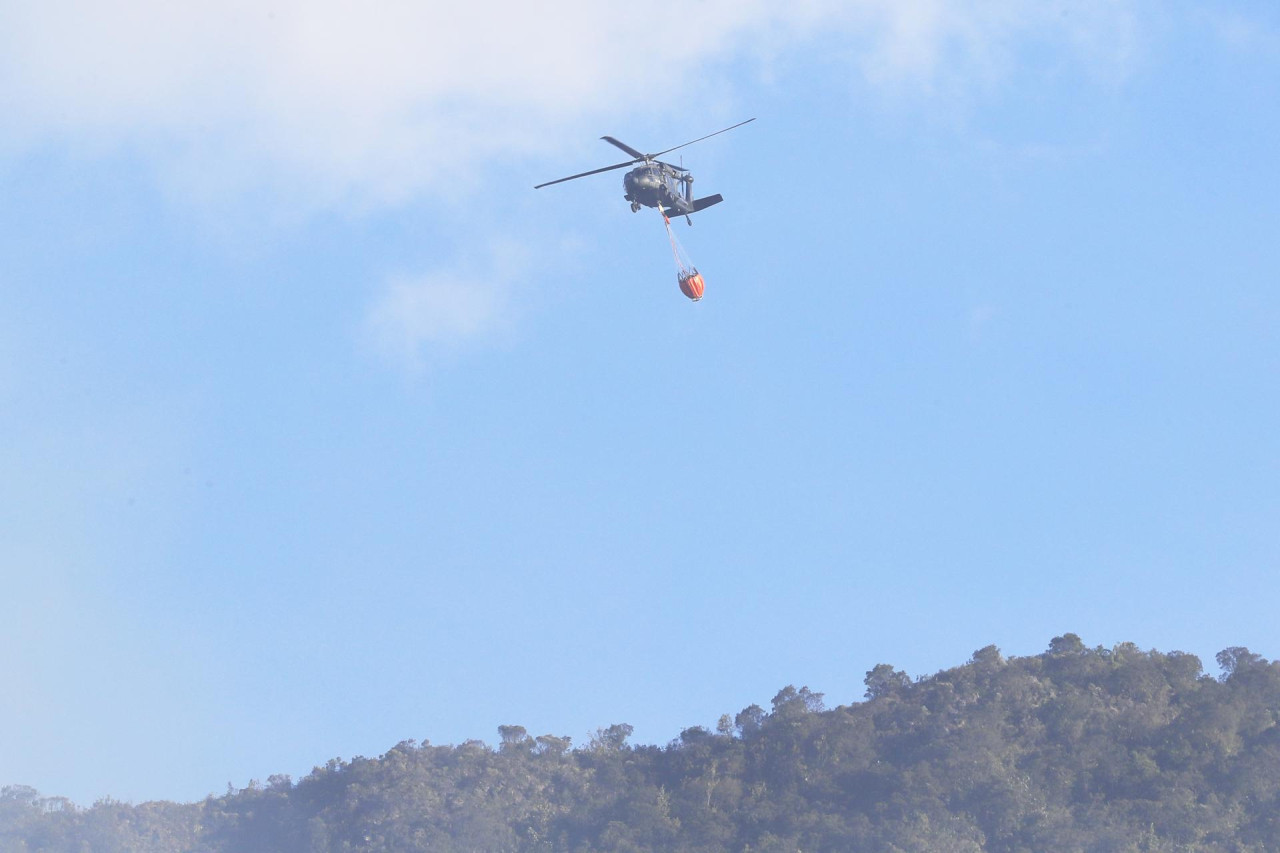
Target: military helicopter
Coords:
[(657, 184)]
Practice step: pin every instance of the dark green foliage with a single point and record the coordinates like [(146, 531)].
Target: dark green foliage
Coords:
[(1077, 749)]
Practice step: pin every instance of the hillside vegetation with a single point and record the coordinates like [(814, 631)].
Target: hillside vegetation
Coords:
[(1077, 749)]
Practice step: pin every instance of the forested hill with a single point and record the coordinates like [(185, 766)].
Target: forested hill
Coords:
[(1076, 749)]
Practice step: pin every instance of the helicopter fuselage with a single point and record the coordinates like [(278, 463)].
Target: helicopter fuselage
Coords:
[(654, 185)]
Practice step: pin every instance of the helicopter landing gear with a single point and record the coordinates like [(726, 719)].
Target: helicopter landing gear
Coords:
[(635, 207)]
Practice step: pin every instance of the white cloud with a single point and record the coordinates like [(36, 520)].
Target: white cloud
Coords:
[(1242, 34), (980, 318), (946, 45), (438, 308), (419, 315), (338, 102)]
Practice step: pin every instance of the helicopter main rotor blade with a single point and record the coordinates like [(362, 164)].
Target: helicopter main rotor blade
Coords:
[(700, 138), (624, 146), (584, 174), (640, 158)]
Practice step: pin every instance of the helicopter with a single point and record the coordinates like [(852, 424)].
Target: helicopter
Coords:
[(655, 183)]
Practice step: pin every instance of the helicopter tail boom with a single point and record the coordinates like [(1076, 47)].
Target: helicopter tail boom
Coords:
[(705, 202)]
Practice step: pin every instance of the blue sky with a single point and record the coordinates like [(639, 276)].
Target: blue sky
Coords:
[(321, 429)]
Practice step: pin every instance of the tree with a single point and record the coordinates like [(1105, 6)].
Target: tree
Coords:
[(514, 739), (611, 739), (552, 745), (749, 720), (1076, 749), (884, 680), (694, 734), (1067, 644), (1237, 658), (987, 657), (788, 701)]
